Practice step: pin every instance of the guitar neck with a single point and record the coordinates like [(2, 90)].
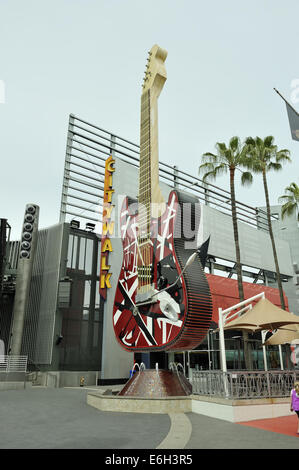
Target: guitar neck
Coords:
[(150, 199), (145, 150), (150, 194)]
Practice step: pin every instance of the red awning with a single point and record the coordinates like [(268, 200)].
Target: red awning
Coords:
[(225, 293)]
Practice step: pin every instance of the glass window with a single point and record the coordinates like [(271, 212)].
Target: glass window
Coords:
[(82, 253), (74, 258), (88, 260), (99, 259), (96, 314), (69, 253), (97, 299), (87, 294), (85, 315)]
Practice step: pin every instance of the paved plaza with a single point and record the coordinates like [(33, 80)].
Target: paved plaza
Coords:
[(59, 418)]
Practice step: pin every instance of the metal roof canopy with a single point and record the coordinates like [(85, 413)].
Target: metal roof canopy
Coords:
[(87, 148)]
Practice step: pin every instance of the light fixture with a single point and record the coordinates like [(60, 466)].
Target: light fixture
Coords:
[(28, 225), (89, 226), (75, 223)]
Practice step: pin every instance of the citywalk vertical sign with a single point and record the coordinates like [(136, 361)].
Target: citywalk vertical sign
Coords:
[(107, 228)]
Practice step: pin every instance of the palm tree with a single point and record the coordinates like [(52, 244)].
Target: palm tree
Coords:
[(291, 201), (230, 159), (263, 157)]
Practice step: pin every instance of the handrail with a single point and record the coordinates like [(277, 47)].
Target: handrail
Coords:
[(13, 363), (244, 384)]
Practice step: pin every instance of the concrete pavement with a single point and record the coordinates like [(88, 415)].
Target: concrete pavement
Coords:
[(45, 418)]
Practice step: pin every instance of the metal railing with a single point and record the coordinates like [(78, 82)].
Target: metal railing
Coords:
[(13, 363), (13, 369), (244, 384), (87, 148)]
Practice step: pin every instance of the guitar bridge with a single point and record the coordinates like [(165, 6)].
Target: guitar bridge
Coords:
[(145, 293)]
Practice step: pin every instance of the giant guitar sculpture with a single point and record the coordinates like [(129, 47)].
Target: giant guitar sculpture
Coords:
[(162, 299)]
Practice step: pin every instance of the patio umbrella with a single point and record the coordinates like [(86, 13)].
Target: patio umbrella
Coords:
[(241, 326), (263, 316), (286, 335)]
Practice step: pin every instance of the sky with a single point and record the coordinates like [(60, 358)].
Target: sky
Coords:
[(88, 57)]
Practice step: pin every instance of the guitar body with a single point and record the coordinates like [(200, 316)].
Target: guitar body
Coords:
[(150, 329)]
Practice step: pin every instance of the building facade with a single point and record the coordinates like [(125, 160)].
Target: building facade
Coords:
[(68, 324)]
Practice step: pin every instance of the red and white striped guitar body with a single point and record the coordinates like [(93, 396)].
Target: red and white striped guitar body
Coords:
[(148, 327)]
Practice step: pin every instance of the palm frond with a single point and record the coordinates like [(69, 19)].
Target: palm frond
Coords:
[(293, 191), (283, 156), (216, 171), (288, 209), (221, 169), (250, 141), (256, 165), (285, 198), (221, 147), (209, 154), (246, 178), (206, 167), (294, 187), (234, 143), (259, 142), (269, 141), (210, 175), (274, 166), (286, 151), (248, 159), (290, 200), (209, 158)]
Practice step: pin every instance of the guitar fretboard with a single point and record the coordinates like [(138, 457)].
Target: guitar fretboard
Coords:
[(144, 197)]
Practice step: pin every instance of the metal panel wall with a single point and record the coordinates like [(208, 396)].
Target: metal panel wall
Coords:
[(40, 313), (13, 249), (255, 245)]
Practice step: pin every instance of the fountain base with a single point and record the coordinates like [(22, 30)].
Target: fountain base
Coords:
[(149, 391), (156, 383)]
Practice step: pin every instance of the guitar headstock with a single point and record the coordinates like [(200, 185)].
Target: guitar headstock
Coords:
[(155, 73)]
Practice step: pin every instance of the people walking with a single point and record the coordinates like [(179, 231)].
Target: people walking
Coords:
[(295, 401)]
